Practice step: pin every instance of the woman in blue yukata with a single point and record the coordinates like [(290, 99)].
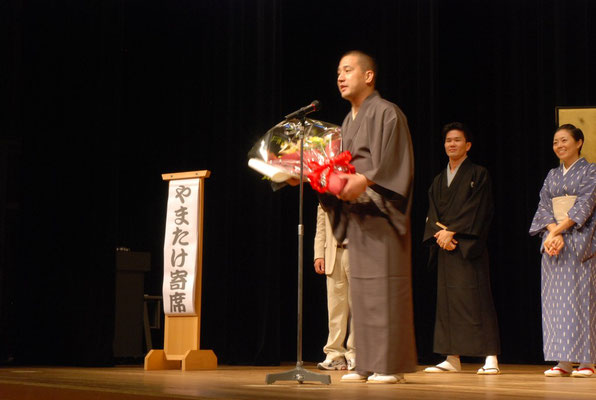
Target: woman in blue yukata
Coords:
[(565, 220)]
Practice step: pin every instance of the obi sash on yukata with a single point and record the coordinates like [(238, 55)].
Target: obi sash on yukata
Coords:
[(562, 205)]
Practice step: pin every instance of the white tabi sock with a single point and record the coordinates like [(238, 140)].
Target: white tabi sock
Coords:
[(452, 363), (491, 362)]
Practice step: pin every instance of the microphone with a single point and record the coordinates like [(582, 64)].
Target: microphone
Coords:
[(312, 107)]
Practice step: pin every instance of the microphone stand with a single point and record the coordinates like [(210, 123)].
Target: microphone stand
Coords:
[(299, 373)]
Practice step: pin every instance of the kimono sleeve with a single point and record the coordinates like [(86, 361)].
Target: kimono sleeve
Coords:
[(392, 164), (336, 214), (392, 161), (544, 214), (472, 218), (586, 198)]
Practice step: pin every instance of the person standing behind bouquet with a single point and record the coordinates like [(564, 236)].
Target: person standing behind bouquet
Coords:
[(331, 259), (373, 212), (565, 221), (458, 221)]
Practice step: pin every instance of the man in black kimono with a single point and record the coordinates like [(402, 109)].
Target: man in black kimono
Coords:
[(457, 226), (373, 212)]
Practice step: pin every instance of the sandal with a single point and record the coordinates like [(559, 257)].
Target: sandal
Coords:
[(488, 371), (556, 372), (583, 373), (437, 370)]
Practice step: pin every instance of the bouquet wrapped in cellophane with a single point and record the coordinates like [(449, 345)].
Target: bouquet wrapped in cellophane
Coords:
[(277, 154)]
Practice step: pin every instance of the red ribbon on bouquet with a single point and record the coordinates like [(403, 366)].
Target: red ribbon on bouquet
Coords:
[(320, 174)]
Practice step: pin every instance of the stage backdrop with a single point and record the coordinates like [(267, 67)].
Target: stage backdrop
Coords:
[(103, 97), (585, 119)]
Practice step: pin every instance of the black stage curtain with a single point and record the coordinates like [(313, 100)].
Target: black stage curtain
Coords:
[(104, 96)]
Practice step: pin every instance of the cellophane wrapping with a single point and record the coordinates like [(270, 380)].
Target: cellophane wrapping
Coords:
[(277, 154)]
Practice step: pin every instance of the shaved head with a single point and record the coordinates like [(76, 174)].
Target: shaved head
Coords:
[(366, 62)]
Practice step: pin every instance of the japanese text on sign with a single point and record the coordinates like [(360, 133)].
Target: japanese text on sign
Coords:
[(180, 247)]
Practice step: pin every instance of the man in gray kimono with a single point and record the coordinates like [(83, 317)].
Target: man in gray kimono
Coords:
[(373, 212)]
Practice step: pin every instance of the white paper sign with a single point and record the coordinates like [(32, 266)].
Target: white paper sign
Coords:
[(180, 247)]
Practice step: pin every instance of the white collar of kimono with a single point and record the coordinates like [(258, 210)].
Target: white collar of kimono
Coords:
[(451, 175), (571, 166)]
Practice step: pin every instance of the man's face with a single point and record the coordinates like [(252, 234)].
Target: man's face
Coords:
[(456, 145), (352, 81)]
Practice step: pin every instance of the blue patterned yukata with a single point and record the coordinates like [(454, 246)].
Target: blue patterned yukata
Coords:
[(569, 279)]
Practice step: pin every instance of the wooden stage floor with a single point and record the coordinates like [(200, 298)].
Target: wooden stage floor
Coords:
[(231, 382)]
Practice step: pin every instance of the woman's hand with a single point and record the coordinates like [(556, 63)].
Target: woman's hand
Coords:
[(553, 244)]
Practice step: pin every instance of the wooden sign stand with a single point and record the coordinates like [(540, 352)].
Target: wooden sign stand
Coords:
[(182, 333)]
